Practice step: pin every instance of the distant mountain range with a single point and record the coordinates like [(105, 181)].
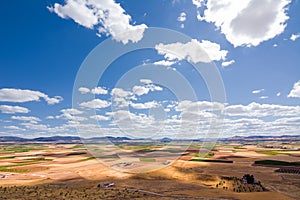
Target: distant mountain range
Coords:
[(76, 139), (263, 138), (39, 139)]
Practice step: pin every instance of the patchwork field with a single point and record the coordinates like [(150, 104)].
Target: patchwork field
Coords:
[(69, 171)]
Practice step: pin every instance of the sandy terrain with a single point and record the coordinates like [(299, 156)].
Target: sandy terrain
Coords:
[(74, 170)]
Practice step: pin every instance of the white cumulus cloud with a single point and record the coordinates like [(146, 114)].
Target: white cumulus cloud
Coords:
[(100, 117), (71, 111), (295, 92), (96, 90), (194, 51), (107, 16), (13, 109), (20, 96), (182, 17), (76, 10), (84, 90), (119, 92), (247, 22), (263, 97), (146, 81), (96, 104), (164, 63), (99, 90), (258, 91), (262, 110), (227, 63), (26, 118), (14, 128), (140, 90), (145, 105), (294, 36), (198, 3)]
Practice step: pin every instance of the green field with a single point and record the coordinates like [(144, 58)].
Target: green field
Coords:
[(270, 152), (276, 162), (147, 159), (211, 160), (17, 149)]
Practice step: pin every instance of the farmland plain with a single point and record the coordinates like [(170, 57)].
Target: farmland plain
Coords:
[(68, 171)]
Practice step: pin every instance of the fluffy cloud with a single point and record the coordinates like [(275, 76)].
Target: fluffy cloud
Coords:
[(84, 90), (263, 97), (71, 111), (99, 90), (107, 16), (295, 92), (124, 98), (248, 126), (186, 119), (96, 104), (194, 51), (26, 118), (287, 121), (14, 128), (247, 22), (121, 97), (140, 90), (146, 81), (119, 92), (76, 10), (258, 91), (294, 36), (135, 125), (36, 127), (100, 117), (198, 3), (54, 100), (146, 105), (278, 94), (145, 89), (96, 90), (243, 126), (190, 106), (262, 110), (13, 109), (70, 114), (182, 17), (165, 63), (20, 96), (227, 63)]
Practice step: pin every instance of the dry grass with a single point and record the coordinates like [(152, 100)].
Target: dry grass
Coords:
[(68, 172)]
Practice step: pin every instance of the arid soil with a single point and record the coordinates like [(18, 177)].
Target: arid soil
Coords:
[(69, 172)]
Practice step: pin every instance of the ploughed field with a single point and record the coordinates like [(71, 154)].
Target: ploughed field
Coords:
[(69, 171)]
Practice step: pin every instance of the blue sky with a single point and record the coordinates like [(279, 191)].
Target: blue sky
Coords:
[(255, 50)]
